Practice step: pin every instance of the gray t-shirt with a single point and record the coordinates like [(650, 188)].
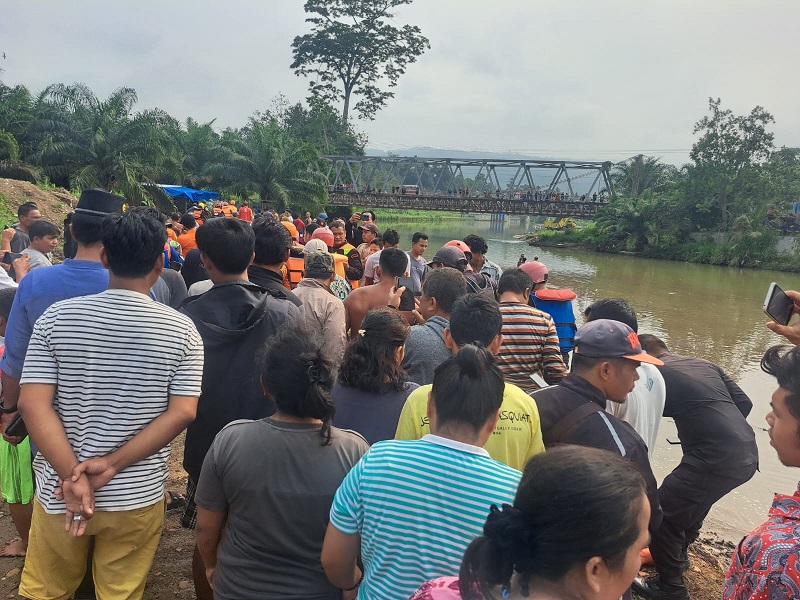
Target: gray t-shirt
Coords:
[(38, 259), (20, 241), (277, 483), (419, 269)]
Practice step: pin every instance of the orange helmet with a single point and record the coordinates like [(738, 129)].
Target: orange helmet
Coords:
[(461, 246)]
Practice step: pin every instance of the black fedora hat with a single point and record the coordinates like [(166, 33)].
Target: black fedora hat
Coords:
[(99, 203)]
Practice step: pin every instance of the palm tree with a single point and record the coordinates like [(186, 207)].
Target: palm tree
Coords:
[(640, 173), (265, 160), (10, 164), (99, 143), (199, 148)]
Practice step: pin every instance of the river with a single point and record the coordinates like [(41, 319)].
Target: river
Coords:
[(699, 310)]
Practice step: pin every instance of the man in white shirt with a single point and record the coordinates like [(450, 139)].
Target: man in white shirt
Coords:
[(644, 406), (109, 381)]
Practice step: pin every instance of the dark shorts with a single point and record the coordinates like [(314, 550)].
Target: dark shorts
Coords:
[(189, 517)]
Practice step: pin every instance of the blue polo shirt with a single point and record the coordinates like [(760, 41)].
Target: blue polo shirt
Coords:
[(37, 291)]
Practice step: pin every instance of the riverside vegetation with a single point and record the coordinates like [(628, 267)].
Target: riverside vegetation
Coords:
[(737, 189)]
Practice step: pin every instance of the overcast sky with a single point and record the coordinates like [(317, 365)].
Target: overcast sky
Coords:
[(578, 79)]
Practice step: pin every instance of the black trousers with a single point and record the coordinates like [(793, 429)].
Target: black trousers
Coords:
[(686, 496)]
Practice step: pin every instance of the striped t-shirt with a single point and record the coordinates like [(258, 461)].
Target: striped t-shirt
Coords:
[(530, 345), (115, 358), (417, 505)]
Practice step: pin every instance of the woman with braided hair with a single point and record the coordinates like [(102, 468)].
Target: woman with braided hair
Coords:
[(271, 482), (575, 530)]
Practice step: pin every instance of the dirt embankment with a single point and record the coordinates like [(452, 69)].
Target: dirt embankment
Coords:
[(53, 203)]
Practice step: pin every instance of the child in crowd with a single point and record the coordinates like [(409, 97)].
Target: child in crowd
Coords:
[(44, 239)]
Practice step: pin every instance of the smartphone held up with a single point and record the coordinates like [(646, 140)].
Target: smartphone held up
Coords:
[(777, 305), (407, 299)]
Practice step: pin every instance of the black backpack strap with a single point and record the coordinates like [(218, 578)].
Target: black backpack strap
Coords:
[(570, 420)]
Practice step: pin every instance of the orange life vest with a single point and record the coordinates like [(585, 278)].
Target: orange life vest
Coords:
[(342, 252), (294, 271)]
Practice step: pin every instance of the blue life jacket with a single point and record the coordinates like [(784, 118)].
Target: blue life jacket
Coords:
[(558, 304)]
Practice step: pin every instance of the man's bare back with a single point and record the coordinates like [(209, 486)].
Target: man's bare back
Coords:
[(362, 300)]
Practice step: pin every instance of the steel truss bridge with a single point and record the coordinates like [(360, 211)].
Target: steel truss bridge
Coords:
[(517, 187)]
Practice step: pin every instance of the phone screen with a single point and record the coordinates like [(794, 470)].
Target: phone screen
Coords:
[(407, 299), (777, 305)]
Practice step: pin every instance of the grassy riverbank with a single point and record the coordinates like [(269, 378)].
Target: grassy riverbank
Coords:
[(420, 216), (754, 250)]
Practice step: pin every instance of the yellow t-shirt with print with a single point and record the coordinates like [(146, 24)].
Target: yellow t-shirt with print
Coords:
[(517, 437)]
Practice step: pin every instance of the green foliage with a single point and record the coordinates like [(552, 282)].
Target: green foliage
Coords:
[(351, 47), (751, 250), (728, 158), (99, 143), (10, 164), (8, 213), (67, 136), (640, 174), (266, 160), (320, 125)]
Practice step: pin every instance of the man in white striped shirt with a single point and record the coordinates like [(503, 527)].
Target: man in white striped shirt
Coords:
[(109, 381)]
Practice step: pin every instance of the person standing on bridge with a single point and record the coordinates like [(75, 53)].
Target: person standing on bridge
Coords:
[(479, 263)]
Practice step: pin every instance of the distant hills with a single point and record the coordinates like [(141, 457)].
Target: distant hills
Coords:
[(581, 181), (428, 152)]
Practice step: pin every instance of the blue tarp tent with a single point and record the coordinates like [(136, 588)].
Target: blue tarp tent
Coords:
[(184, 195)]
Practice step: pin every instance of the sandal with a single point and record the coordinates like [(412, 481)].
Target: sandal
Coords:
[(175, 501)]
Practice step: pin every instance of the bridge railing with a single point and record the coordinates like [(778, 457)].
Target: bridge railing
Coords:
[(466, 204)]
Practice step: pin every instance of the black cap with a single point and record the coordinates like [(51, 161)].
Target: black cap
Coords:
[(99, 203)]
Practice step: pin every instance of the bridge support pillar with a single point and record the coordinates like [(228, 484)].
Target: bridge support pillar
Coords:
[(498, 222)]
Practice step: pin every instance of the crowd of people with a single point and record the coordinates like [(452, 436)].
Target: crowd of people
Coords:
[(360, 422)]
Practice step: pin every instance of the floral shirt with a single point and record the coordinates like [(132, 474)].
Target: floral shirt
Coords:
[(444, 588), (766, 564)]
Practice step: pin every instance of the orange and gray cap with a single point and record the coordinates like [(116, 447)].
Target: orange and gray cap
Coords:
[(606, 338)]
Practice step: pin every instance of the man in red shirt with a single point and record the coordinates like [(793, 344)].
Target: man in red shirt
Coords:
[(246, 213), (298, 222)]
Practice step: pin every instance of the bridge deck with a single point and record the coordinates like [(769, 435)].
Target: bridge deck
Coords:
[(582, 210)]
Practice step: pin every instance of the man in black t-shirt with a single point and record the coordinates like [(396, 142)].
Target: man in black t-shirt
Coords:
[(719, 455)]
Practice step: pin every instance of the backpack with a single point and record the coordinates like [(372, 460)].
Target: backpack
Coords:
[(478, 283)]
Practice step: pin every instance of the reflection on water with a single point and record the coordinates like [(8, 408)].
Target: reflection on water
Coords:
[(699, 310)]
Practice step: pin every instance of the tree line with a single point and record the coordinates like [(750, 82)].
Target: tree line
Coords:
[(737, 181), (68, 136)]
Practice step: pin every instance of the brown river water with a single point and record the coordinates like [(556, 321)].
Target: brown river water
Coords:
[(699, 310)]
